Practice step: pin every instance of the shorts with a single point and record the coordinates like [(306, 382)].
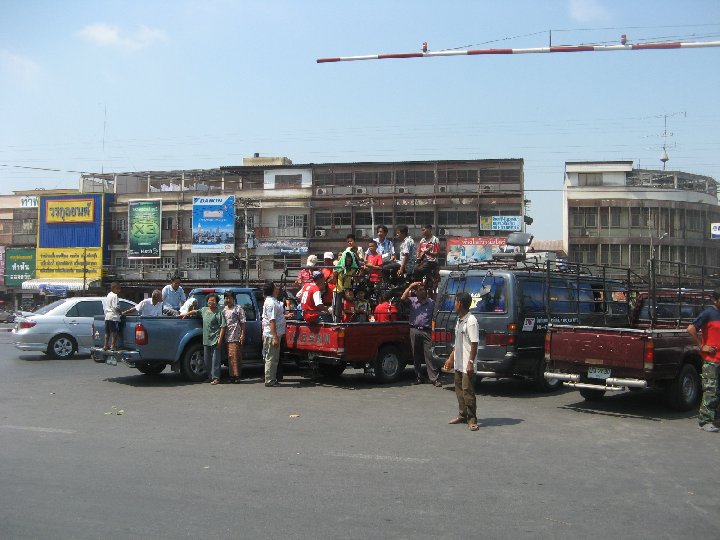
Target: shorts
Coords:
[(112, 327)]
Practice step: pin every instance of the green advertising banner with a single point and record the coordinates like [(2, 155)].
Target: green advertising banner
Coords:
[(19, 266), (144, 228)]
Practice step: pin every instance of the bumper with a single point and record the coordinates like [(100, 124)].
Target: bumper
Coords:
[(611, 384), (23, 346), (113, 357)]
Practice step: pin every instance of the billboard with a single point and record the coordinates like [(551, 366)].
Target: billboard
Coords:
[(715, 231), (470, 250), (19, 266), (213, 225), (144, 228), (501, 223), (70, 237), (281, 247)]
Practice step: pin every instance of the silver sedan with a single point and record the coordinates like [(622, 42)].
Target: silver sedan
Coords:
[(62, 328)]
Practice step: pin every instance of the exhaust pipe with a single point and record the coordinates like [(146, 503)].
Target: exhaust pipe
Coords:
[(565, 377), (633, 383)]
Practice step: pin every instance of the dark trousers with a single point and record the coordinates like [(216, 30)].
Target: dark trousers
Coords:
[(422, 354), (465, 392)]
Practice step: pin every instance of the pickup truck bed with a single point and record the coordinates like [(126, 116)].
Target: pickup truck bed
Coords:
[(596, 360), (382, 347)]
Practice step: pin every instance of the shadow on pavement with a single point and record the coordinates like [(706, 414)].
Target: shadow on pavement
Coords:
[(645, 405), (515, 388), (41, 357), (496, 422)]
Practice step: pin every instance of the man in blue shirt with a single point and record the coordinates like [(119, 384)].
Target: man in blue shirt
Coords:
[(173, 294), (420, 319), (385, 246)]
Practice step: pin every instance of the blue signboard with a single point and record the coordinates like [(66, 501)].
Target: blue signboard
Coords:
[(715, 231), (213, 225)]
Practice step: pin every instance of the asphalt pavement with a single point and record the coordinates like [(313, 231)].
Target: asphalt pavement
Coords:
[(94, 451)]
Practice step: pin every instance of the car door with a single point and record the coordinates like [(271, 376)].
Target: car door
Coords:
[(79, 318), (253, 334)]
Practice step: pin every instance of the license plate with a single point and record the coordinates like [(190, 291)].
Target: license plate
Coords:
[(598, 373)]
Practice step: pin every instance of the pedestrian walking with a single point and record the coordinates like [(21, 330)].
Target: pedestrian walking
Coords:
[(462, 359), (708, 325), (273, 325)]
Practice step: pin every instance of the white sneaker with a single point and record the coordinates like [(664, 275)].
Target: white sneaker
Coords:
[(710, 428)]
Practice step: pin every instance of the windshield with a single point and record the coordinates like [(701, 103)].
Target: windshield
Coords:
[(44, 310)]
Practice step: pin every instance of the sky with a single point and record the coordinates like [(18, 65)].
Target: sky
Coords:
[(117, 86)]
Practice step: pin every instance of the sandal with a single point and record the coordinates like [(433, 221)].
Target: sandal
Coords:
[(457, 420), (473, 427), (215, 381)]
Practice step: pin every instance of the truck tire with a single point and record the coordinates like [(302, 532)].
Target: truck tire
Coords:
[(61, 347), (683, 393), (592, 395), (542, 384), (151, 369), (389, 364), (192, 364), (331, 371)]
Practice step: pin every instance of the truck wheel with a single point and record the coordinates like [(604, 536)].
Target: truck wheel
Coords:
[(683, 393), (150, 369), (389, 365), (192, 365), (541, 383), (61, 347), (592, 395), (331, 371)]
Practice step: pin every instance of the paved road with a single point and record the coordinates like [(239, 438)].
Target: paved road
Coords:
[(361, 461)]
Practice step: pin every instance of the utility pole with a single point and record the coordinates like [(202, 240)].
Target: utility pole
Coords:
[(84, 270), (245, 203)]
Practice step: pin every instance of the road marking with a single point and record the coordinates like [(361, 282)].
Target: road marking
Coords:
[(376, 457), (39, 429)]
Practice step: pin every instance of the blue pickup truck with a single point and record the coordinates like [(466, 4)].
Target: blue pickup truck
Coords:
[(150, 344)]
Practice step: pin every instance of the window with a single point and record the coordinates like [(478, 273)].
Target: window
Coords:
[(290, 222), (343, 179), (245, 301), (86, 308), (288, 181), (584, 217), (419, 177), (561, 297), (168, 223), (589, 179), (584, 253), (323, 179), (533, 296), (454, 217), (458, 176), (365, 178), (694, 220), (615, 220), (332, 220), (287, 261), (381, 218), (118, 223), (167, 263)]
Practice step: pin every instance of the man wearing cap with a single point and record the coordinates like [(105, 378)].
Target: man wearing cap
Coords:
[(311, 302)]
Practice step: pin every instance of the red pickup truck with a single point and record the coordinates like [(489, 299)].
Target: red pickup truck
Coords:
[(382, 347), (655, 352)]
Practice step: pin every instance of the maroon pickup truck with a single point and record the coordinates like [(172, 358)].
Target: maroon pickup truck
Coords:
[(383, 347), (655, 352)]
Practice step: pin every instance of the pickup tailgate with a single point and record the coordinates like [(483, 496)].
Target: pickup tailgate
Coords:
[(317, 338), (576, 349)]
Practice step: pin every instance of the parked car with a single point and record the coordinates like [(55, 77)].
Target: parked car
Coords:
[(63, 327), (7, 316)]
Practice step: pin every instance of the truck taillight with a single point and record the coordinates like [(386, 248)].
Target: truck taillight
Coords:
[(141, 335), (440, 336), (649, 356), (341, 338), (547, 345), (500, 339)]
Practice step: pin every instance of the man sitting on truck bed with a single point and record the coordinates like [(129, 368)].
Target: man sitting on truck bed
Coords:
[(311, 301), (708, 324)]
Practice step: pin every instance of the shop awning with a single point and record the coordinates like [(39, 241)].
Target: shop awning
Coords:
[(56, 286)]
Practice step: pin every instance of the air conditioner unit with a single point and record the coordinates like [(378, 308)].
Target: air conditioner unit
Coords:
[(444, 232), (361, 233), (319, 233), (183, 274), (360, 190), (402, 190), (442, 189), (321, 191)]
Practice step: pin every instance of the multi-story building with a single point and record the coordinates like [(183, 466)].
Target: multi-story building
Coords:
[(283, 212), (621, 216)]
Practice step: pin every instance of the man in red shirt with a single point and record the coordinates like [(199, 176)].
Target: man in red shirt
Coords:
[(311, 300), (708, 324), (373, 262), (386, 312)]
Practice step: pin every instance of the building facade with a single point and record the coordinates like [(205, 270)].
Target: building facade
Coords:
[(617, 215)]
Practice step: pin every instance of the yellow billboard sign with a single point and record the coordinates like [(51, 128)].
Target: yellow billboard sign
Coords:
[(69, 211), (69, 263)]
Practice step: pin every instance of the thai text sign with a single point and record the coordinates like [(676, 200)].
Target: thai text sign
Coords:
[(19, 266), (501, 223), (69, 263), (144, 221), (281, 247), (213, 225), (469, 250), (69, 211)]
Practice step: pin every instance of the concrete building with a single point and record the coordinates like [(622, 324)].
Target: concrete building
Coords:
[(621, 216)]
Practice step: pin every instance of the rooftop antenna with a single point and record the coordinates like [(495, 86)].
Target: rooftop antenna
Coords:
[(664, 156)]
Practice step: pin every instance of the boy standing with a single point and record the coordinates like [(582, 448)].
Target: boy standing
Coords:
[(708, 324), (112, 317)]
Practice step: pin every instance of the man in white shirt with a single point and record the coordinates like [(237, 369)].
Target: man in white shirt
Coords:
[(112, 317), (462, 358), (273, 327), (150, 307)]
